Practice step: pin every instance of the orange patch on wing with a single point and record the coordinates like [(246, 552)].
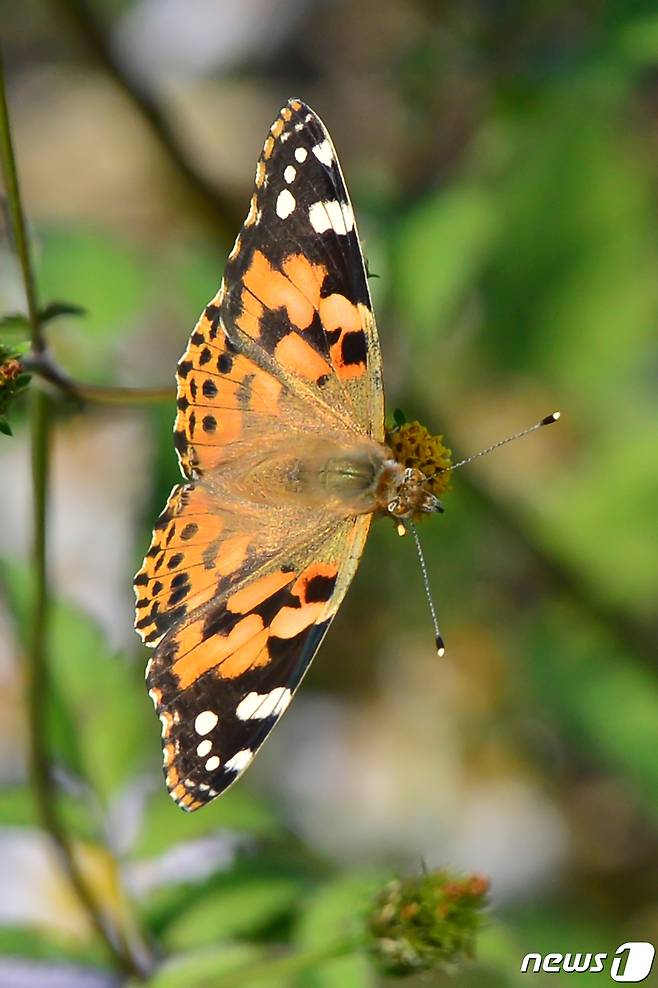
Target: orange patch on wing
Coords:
[(291, 620), (298, 289), (277, 127), (251, 655), (249, 319), (188, 639), (227, 428), (265, 393), (268, 147), (337, 312), (258, 591), (215, 650), (232, 553), (306, 277), (299, 357), (295, 104)]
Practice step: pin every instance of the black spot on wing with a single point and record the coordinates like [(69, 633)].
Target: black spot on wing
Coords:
[(354, 349), (320, 588)]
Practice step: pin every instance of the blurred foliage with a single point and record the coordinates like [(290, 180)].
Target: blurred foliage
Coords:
[(503, 164)]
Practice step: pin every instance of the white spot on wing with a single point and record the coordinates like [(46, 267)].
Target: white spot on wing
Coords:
[(204, 748), (240, 760), (331, 215), (289, 173), (212, 763), (205, 721), (257, 706), (324, 153), (301, 154), (285, 204)]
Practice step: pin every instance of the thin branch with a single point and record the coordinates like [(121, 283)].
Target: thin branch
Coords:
[(46, 367), (89, 30), (37, 670)]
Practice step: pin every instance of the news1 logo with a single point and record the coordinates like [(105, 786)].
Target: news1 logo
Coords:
[(631, 962)]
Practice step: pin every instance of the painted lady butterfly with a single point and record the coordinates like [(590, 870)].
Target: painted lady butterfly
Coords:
[(280, 436)]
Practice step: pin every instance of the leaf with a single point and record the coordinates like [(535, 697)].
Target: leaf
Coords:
[(240, 903), (40, 945), (5, 428), (55, 309), (333, 913), (15, 322), (205, 968)]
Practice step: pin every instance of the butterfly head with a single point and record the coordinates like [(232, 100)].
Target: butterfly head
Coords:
[(418, 474)]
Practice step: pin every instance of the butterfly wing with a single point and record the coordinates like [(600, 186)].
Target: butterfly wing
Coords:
[(221, 678), (238, 597)]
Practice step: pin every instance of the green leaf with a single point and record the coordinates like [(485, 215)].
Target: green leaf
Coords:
[(5, 428), (55, 309), (40, 945), (241, 903), (15, 322), (208, 968), (333, 914)]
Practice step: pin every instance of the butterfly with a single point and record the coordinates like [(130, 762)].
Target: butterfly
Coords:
[(281, 440)]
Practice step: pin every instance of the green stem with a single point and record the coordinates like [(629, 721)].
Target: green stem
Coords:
[(37, 670), (16, 216), (45, 366)]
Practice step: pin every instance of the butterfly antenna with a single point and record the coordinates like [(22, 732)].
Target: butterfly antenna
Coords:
[(547, 420), (440, 646)]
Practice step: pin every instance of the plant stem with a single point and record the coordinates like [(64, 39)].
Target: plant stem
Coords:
[(18, 225), (46, 367), (37, 671)]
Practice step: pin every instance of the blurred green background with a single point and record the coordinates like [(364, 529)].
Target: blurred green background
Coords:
[(502, 159)]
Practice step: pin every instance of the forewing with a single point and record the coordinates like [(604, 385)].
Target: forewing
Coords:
[(221, 679), (293, 313)]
